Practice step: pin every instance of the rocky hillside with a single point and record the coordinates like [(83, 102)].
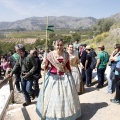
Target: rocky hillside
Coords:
[(116, 17), (39, 23), (62, 22)]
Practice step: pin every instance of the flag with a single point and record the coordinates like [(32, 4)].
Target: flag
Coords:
[(50, 28)]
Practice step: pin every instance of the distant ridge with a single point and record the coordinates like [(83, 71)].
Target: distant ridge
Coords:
[(61, 22), (116, 17), (39, 23)]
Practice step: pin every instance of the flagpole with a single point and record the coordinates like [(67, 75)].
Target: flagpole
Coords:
[(46, 45), (46, 34)]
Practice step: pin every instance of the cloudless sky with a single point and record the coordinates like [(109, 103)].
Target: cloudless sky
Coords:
[(12, 10)]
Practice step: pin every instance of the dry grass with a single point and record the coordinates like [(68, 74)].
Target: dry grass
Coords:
[(109, 41)]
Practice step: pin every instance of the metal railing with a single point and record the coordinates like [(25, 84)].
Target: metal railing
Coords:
[(11, 96)]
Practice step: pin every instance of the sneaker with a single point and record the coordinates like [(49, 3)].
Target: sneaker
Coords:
[(99, 86), (89, 85), (19, 91), (79, 93), (26, 104), (108, 92), (115, 101), (33, 96)]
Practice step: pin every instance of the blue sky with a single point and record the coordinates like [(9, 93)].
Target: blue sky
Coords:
[(12, 10)]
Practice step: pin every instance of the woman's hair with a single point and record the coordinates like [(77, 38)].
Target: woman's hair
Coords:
[(77, 40), (59, 40), (117, 46), (70, 44), (5, 58)]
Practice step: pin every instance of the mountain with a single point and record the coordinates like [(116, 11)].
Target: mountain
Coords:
[(39, 23), (116, 17)]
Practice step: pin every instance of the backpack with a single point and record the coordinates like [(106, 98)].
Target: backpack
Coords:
[(106, 58), (12, 61), (93, 61)]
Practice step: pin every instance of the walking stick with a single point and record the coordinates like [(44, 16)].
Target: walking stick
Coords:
[(44, 71)]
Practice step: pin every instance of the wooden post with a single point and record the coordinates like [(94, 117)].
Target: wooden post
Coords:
[(11, 96)]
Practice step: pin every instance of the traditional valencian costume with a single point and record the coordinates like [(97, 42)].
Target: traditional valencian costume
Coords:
[(74, 61), (61, 101)]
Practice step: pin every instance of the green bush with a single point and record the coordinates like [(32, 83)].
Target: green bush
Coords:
[(93, 46), (98, 38), (5, 47), (84, 37), (104, 34), (101, 37)]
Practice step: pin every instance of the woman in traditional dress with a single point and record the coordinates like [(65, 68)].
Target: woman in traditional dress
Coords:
[(74, 62), (61, 101)]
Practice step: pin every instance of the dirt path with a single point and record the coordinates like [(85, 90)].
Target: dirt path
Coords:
[(95, 104)]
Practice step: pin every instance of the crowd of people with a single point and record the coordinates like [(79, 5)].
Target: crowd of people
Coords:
[(68, 72)]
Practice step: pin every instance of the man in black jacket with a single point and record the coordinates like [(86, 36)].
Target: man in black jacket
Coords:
[(83, 59), (88, 69), (37, 73), (28, 66)]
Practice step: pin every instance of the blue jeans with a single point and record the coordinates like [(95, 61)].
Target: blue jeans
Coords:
[(27, 88), (17, 81), (117, 95), (111, 83), (83, 75), (88, 76), (100, 74)]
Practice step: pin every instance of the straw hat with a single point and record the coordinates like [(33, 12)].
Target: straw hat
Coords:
[(101, 46), (88, 47)]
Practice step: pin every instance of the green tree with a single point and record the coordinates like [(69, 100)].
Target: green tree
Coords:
[(6, 47), (76, 36), (103, 25), (52, 35), (67, 39)]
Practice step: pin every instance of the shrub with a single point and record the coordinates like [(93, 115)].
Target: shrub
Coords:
[(101, 37), (105, 34), (98, 38), (93, 46)]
